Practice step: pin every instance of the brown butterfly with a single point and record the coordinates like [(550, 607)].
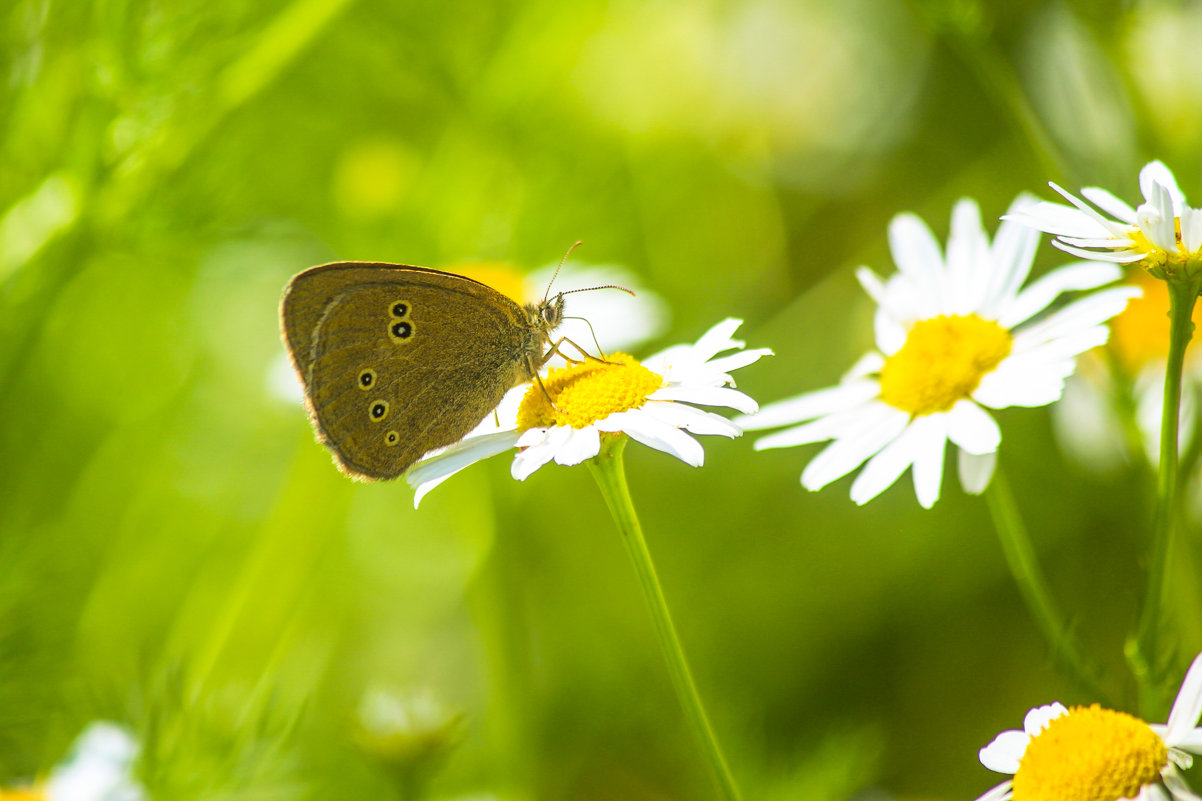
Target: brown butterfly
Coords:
[(399, 360)]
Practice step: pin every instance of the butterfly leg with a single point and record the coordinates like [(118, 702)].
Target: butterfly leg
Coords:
[(587, 356)]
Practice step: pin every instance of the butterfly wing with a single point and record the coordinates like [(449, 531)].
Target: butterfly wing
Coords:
[(399, 360)]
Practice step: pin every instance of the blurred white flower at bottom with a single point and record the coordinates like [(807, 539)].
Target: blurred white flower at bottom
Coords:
[(98, 767)]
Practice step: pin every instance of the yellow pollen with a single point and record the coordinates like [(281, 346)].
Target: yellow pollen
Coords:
[(587, 392), (942, 361), (1090, 754)]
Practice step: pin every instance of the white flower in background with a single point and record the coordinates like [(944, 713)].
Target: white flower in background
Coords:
[(956, 334), (1161, 232), (620, 320), (1095, 754), (406, 728), (654, 402), (98, 767)]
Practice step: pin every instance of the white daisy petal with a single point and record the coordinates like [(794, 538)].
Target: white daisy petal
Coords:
[(1157, 218), (1066, 346), (1060, 220), (1115, 229), (916, 253), (1037, 719), (1040, 294), (1155, 174), (539, 452), (1002, 792), (967, 250), (1009, 385), (812, 404), (581, 444), (1006, 750), (727, 364), (1088, 311), (890, 326), (976, 471), (1190, 741), (930, 449), (708, 396), (868, 364), (872, 283), (663, 437), (972, 429), (1191, 230), (886, 467), (851, 450), (690, 418), (1118, 257), (1177, 787), (822, 429), (717, 339), (1188, 706), (1113, 242), (1152, 792), (429, 473), (1110, 204), (1013, 253)]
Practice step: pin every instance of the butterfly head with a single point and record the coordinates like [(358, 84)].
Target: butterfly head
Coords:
[(550, 313)]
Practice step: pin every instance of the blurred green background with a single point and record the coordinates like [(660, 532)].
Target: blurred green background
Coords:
[(178, 554)]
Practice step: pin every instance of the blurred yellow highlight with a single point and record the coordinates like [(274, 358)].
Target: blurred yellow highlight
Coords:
[(21, 794), (504, 278), (371, 177), (1140, 335)]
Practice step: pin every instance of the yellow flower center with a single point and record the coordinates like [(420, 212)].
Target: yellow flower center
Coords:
[(1090, 754), (587, 392), (942, 361), (1164, 264)]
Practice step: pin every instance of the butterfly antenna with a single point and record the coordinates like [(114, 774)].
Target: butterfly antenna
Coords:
[(603, 286), (555, 275)]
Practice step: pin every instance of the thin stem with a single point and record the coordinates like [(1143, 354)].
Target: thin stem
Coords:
[(1024, 567), (610, 474), (1142, 649)]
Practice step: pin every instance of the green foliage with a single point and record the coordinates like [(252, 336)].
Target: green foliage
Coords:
[(178, 554)]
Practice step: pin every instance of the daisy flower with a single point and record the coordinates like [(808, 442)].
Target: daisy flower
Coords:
[(1162, 233), (1095, 754), (955, 334), (654, 402)]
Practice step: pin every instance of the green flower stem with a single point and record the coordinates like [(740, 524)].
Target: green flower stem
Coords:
[(610, 474), (1020, 556), (1146, 662)]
